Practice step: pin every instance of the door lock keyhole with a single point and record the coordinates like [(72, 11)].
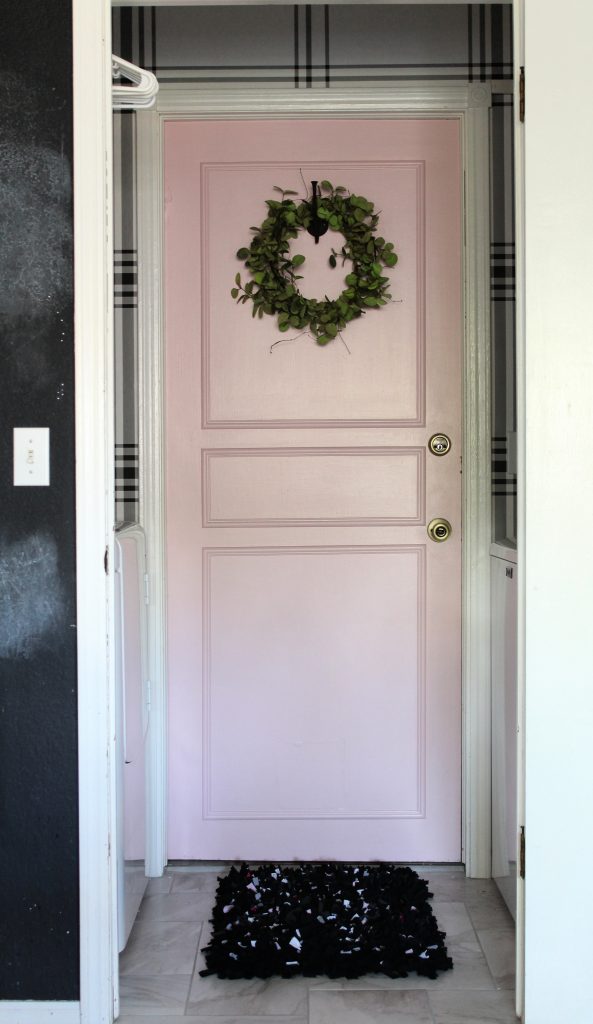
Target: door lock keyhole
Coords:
[(439, 530), (439, 444)]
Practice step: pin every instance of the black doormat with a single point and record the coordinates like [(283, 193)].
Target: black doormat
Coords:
[(337, 920)]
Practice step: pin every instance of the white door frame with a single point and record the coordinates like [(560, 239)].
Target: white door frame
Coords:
[(470, 105), (95, 503), (520, 346)]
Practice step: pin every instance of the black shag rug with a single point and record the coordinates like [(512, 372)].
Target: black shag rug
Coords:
[(337, 920)]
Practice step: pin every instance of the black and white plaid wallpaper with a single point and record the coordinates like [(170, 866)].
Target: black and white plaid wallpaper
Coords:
[(316, 46), (125, 303)]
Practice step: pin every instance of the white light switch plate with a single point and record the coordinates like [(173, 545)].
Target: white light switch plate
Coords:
[(31, 456)]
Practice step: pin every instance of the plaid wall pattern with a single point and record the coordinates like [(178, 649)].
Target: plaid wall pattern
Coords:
[(317, 47), (125, 303), (502, 306)]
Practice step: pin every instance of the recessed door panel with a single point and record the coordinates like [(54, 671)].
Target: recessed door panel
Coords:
[(297, 386)]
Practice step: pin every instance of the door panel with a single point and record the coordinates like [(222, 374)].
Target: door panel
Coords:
[(314, 630), (296, 387), (312, 486), (288, 761)]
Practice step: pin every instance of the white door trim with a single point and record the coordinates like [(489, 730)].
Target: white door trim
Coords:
[(151, 471), (470, 105), (95, 504), (520, 351)]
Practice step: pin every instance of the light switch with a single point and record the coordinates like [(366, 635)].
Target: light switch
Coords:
[(31, 456)]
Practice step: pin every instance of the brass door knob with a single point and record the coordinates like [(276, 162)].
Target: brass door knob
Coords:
[(439, 444), (439, 530)]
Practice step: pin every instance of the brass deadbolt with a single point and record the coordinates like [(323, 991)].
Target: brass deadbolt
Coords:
[(439, 444), (439, 530)]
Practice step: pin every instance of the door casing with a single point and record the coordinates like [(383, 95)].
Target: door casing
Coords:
[(470, 105), (94, 390)]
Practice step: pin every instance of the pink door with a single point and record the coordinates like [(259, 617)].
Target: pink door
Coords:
[(314, 628)]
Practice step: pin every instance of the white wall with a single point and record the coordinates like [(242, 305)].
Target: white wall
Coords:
[(559, 504)]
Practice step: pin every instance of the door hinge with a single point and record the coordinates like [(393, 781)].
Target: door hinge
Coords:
[(106, 561), (522, 852), (148, 695), (522, 95), (146, 588)]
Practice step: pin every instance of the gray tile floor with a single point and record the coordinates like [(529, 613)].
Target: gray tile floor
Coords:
[(160, 981)]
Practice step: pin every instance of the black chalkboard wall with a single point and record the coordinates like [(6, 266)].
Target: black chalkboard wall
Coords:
[(39, 933)]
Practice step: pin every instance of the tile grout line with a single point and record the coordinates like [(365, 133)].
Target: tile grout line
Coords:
[(430, 1009), (191, 978), (475, 931), (487, 961)]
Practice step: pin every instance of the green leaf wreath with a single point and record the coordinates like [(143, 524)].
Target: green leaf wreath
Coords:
[(273, 288)]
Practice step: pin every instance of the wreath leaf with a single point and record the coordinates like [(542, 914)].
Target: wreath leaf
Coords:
[(273, 289)]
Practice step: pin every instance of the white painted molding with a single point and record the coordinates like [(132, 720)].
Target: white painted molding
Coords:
[(93, 339), (432, 99), (519, 48), (152, 472), (405, 99), (30, 1012), (477, 501)]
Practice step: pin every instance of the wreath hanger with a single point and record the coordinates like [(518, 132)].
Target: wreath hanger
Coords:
[(317, 227)]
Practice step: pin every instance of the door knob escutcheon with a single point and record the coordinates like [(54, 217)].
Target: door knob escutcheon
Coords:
[(439, 530), (439, 444)]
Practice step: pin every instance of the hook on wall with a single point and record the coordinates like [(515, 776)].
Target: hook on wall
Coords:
[(317, 226)]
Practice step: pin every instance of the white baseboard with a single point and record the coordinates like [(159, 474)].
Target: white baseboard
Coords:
[(32, 1012)]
